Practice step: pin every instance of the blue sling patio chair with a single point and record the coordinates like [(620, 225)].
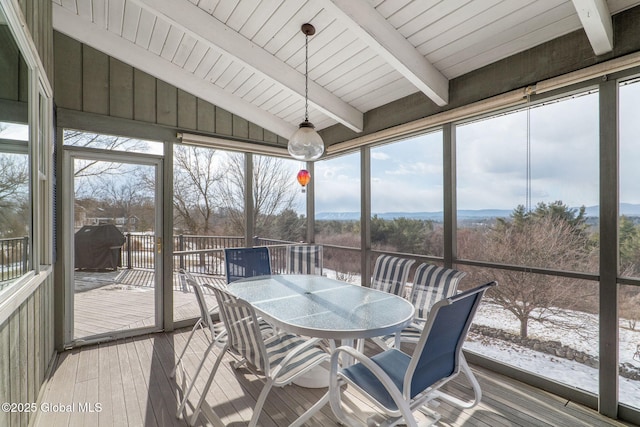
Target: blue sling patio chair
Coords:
[(304, 259), (399, 384), (246, 262), (280, 358), (431, 283)]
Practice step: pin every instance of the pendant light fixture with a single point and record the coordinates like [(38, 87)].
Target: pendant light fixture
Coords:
[(305, 144)]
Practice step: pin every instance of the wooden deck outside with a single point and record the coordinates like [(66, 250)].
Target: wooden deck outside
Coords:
[(127, 383), (108, 301)]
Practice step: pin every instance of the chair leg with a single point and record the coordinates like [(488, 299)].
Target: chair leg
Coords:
[(335, 397), (477, 392), (184, 350), (261, 399), (302, 419), (193, 381), (205, 390)]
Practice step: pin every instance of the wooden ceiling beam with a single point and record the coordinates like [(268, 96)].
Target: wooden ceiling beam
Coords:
[(199, 24), (386, 41), (596, 21)]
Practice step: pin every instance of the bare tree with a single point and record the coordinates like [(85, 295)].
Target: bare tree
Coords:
[(197, 175), (14, 193), (122, 198), (104, 142), (535, 240), (273, 191)]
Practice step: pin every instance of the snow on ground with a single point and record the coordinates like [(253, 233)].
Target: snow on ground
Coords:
[(581, 333), (583, 337)]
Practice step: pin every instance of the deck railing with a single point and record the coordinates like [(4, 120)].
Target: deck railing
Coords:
[(14, 257), (197, 254), (205, 254)]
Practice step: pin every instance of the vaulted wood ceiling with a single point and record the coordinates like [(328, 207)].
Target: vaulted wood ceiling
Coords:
[(247, 56)]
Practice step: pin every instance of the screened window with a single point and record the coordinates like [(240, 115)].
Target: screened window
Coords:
[(337, 215), (528, 186), (629, 244), (527, 195), (16, 177), (407, 195), (279, 200)]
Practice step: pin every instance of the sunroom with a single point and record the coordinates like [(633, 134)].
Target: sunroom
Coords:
[(142, 137)]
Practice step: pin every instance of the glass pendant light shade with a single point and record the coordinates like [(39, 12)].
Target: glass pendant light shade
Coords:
[(305, 144)]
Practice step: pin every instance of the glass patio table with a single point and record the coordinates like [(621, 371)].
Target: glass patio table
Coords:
[(317, 306)]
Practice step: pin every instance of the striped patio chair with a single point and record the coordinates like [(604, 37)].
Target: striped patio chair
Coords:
[(280, 358), (431, 284), (214, 334), (217, 335), (390, 274), (304, 259)]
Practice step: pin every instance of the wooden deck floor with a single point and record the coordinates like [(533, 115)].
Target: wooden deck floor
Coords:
[(129, 380), (109, 301)]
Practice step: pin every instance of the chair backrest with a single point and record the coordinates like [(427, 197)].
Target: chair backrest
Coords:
[(304, 259), (246, 262), (432, 283), (390, 274), (438, 351), (205, 316), (243, 328)]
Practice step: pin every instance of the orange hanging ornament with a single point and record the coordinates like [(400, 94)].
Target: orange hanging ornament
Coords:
[(303, 178)]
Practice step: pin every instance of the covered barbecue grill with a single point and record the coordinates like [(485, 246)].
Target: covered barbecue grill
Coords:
[(98, 247)]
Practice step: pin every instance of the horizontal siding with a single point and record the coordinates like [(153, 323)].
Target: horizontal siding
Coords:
[(89, 81), (26, 351)]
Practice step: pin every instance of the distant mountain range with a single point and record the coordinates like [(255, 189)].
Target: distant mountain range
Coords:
[(627, 209)]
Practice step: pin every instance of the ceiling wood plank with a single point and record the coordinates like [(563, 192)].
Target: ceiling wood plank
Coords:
[(99, 8), (131, 21), (85, 9), (596, 21), (199, 24), (70, 24), (382, 37), (115, 15), (145, 28), (196, 57)]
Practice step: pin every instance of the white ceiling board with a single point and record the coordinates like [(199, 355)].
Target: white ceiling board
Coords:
[(131, 21), (365, 53), (145, 28), (130, 53), (207, 5), (84, 9), (115, 15), (99, 10), (193, 20), (507, 36), (274, 23)]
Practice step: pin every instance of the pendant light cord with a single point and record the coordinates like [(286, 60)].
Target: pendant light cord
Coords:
[(306, 77)]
